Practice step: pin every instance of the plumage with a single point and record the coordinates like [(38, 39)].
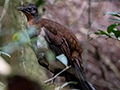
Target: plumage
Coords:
[(59, 40)]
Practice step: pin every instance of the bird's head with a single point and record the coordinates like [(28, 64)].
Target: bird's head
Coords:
[(30, 10)]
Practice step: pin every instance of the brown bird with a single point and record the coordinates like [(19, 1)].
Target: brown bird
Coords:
[(61, 41)]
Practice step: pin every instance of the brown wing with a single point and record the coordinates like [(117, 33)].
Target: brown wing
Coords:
[(57, 44)]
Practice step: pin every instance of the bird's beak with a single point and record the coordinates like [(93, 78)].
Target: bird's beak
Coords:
[(20, 8)]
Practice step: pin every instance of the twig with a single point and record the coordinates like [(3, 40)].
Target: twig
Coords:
[(57, 74), (4, 12), (83, 7), (88, 34), (111, 65)]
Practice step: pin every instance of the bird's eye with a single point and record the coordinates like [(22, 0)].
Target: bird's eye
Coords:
[(29, 9), (34, 9)]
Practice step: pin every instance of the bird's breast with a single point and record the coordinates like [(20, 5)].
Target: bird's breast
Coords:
[(40, 44)]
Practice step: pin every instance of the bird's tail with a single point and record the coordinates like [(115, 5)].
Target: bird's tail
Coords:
[(83, 84)]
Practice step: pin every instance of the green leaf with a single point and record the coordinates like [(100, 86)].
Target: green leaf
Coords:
[(115, 20), (103, 33), (21, 37), (67, 83), (117, 33), (11, 47), (111, 28), (116, 15), (5, 54), (39, 3), (15, 37), (113, 13), (97, 33)]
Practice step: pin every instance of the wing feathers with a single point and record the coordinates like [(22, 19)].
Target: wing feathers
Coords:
[(58, 44)]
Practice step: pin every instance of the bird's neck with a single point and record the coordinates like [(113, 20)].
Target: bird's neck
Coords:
[(31, 20), (30, 17), (31, 25), (35, 18)]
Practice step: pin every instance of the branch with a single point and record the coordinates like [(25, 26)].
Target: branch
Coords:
[(4, 12), (57, 74), (88, 34)]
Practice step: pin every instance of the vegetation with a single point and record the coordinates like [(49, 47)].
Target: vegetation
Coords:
[(112, 30)]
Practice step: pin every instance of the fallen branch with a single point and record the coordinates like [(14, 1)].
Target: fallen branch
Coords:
[(57, 74)]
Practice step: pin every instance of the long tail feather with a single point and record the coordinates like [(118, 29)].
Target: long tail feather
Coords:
[(83, 83)]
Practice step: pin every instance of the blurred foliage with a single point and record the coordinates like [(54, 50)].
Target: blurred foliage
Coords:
[(112, 31), (15, 43), (5, 54), (67, 83), (39, 3)]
